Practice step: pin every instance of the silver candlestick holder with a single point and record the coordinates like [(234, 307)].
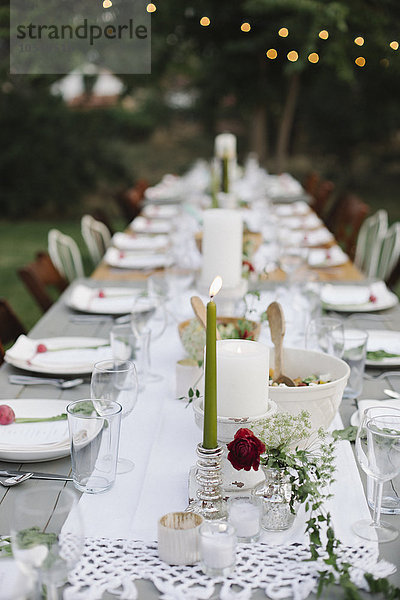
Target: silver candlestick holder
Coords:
[(209, 503)]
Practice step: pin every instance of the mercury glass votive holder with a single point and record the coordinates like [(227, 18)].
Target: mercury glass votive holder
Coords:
[(244, 513), (217, 548), (178, 538)]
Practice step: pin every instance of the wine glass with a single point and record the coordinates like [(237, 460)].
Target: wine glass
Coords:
[(143, 311), (115, 380), (326, 334), (378, 453), (46, 549)]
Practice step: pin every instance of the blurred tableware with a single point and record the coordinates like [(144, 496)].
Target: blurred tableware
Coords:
[(126, 344), (383, 348), (326, 334), (46, 549), (35, 475), (391, 393), (292, 259), (37, 441), (244, 513), (217, 548), (378, 453), (94, 437), (358, 298), (125, 259), (101, 301), (178, 538), (148, 313), (63, 384), (15, 479), (115, 381), (355, 351), (58, 355)]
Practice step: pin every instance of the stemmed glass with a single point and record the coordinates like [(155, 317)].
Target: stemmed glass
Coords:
[(143, 311), (326, 334), (378, 453), (46, 549), (116, 380)]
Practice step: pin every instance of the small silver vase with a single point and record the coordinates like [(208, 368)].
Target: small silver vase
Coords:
[(275, 493)]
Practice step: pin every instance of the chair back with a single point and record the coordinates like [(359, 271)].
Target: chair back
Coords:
[(130, 201), (65, 255), (389, 253), (40, 275), (351, 212), (369, 241), (321, 197), (10, 326), (97, 237)]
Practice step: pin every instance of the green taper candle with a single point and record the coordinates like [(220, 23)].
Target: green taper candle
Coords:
[(225, 174), (210, 387)]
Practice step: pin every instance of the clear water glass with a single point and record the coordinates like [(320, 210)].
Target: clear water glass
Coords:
[(326, 334), (355, 353), (378, 453)]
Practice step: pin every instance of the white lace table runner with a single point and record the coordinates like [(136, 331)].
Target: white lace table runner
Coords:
[(281, 571)]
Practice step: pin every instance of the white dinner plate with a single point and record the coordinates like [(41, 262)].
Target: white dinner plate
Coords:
[(35, 442), (338, 297), (366, 403), (64, 355), (382, 339), (143, 225), (319, 258), (102, 300), (137, 260)]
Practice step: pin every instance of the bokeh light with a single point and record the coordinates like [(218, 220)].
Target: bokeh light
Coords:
[(394, 45), (245, 27), (313, 57), (323, 34), (359, 41), (204, 21), (292, 56), (283, 32), (271, 53), (360, 61)]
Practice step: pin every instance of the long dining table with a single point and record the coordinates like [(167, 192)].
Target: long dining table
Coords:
[(129, 505)]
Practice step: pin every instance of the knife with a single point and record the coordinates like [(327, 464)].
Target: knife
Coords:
[(35, 475)]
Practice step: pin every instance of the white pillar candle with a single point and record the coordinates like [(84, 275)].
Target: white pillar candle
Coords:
[(242, 378), (222, 247), (225, 145)]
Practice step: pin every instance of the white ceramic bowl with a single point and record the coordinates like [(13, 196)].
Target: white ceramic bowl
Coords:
[(321, 401)]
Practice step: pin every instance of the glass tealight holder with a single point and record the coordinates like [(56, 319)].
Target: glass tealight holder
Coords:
[(217, 548), (244, 513)]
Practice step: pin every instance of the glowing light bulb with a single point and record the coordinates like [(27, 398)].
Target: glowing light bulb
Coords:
[(271, 53), (323, 34), (205, 21), (360, 61), (245, 27), (283, 32), (359, 41), (394, 45), (292, 56), (151, 7), (313, 57)]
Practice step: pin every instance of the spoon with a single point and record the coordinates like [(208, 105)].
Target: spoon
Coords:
[(391, 393), (276, 322), (64, 384), (200, 311), (11, 481)]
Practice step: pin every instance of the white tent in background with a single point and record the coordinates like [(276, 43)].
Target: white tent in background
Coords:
[(107, 86)]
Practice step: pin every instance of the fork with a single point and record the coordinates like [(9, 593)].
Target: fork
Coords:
[(11, 481), (63, 384)]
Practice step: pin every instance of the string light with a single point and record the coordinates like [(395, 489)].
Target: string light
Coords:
[(204, 21), (271, 53), (360, 61), (313, 57), (283, 32), (107, 4), (394, 45), (151, 8), (359, 41), (292, 56), (245, 27), (323, 34)]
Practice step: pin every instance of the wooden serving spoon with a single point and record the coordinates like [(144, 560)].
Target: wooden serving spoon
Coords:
[(276, 320), (200, 311)]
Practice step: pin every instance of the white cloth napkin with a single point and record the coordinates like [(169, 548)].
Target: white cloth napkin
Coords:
[(102, 300), (321, 257), (130, 260), (310, 221), (142, 225), (363, 405), (34, 435), (125, 241), (79, 353), (153, 211), (349, 295), (296, 208)]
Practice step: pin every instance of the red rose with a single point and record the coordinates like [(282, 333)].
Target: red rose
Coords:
[(245, 450)]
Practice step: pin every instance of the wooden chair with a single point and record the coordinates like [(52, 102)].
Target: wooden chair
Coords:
[(10, 326), (311, 183), (96, 236), (321, 197), (369, 242), (350, 212), (40, 275), (65, 255), (130, 201)]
